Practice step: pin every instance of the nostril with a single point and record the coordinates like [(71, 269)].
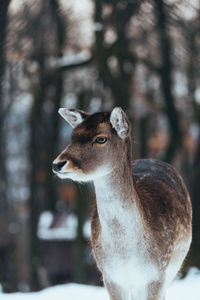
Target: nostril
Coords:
[(58, 166)]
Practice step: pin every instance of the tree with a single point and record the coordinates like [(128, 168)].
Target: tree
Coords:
[(44, 126), (118, 77), (166, 70), (3, 26), (4, 5)]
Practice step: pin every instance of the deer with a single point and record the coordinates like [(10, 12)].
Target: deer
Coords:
[(141, 218)]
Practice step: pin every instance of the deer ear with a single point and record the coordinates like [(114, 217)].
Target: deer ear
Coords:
[(119, 122), (72, 116)]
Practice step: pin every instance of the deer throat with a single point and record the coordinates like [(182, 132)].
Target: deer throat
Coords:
[(121, 236), (116, 201)]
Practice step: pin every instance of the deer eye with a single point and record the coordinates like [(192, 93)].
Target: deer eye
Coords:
[(101, 140)]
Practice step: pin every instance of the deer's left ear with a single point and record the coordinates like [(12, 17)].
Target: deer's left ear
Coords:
[(72, 116), (119, 122)]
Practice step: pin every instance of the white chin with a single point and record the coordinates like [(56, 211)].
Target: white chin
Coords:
[(72, 176), (63, 175), (81, 177)]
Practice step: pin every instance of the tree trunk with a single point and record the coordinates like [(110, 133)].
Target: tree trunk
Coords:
[(4, 4), (37, 176), (119, 82), (7, 286), (166, 79), (81, 208)]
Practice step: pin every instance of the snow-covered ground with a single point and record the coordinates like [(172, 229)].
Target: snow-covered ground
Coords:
[(185, 289)]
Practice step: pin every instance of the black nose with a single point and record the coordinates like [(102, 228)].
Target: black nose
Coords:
[(58, 166)]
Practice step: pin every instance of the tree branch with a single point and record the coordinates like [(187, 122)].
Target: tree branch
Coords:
[(68, 62)]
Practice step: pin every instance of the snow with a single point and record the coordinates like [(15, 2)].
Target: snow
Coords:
[(73, 59), (70, 291), (67, 230), (188, 288)]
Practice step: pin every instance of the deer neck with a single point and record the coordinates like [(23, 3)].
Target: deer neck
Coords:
[(117, 200)]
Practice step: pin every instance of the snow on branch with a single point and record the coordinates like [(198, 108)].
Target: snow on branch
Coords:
[(74, 60)]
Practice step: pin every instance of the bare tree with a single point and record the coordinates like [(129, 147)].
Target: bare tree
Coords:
[(44, 124), (7, 286), (3, 26), (118, 80)]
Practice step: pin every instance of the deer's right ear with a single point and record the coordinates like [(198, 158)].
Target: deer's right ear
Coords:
[(72, 116), (119, 122)]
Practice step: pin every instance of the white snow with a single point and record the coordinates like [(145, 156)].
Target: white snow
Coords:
[(188, 288), (67, 230), (70, 291), (73, 59)]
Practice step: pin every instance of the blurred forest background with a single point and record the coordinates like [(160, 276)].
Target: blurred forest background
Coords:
[(93, 55)]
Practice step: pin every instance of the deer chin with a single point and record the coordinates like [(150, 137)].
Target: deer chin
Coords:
[(98, 173), (70, 175), (63, 175), (75, 176), (85, 177)]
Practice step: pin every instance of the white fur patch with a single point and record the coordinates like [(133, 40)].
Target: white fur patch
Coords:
[(180, 252), (126, 261), (82, 177), (132, 274)]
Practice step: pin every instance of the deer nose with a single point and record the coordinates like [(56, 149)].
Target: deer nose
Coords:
[(58, 166)]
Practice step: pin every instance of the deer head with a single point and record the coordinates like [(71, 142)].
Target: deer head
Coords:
[(98, 142)]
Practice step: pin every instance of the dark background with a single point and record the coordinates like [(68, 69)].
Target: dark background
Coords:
[(93, 55)]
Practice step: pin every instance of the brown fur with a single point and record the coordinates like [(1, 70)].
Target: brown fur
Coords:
[(164, 201), (155, 187)]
